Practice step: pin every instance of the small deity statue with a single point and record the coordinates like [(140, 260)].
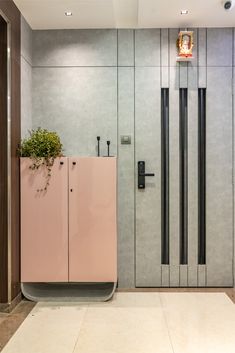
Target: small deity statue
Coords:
[(185, 44)]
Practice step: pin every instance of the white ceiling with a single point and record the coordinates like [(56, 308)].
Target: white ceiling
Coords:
[(49, 14)]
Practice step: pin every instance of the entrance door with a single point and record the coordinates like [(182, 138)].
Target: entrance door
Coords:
[(184, 212)]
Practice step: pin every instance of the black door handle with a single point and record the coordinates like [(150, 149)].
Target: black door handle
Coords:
[(142, 175), (146, 174)]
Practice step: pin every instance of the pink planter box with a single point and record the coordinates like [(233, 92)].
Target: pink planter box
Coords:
[(68, 233)]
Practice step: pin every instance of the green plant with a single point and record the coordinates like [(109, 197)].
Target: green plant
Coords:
[(42, 147)]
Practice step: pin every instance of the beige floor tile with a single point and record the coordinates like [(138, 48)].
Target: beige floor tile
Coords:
[(132, 300), (123, 330), (200, 323), (199, 300), (49, 328)]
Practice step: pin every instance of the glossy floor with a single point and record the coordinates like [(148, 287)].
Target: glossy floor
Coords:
[(131, 323)]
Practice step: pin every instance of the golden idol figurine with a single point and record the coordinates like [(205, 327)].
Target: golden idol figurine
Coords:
[(185, 44)]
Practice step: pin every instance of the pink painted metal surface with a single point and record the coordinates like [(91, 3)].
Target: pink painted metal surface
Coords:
[(92, 220), (44, 224)]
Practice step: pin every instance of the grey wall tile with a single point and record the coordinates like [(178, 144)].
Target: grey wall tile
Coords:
[(126, 180), (174, 175), (192, 176), (233, 46), (80, 104), (164, 47), (219, 46), (202, 44), (165, 275), (183, 276), (183, 68), (201, 276), (147, 47), (75, 48), (165, 58), (194, 61), (26, 41), (26, 97), (148, 149), (193, 78), (165, 77), (125, 47), (173, 50), (202, 77), (219, 201)]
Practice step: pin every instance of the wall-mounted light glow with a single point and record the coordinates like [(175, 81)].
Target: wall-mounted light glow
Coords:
[(68, 13), (184, 12)]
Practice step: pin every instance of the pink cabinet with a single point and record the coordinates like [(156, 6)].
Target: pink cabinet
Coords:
[(69, 232), (92, 220), (44, 223)]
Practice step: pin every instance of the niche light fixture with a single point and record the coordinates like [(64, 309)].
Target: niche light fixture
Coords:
[(68, 13), (184, 12)]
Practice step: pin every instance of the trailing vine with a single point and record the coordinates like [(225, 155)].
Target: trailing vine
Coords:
[(42, 147)]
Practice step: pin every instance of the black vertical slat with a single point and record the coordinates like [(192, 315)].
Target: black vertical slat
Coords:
[(183, 176), (165, 173), (201, 176)]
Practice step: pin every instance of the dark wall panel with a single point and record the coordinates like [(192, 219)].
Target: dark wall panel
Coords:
[(8, 8)]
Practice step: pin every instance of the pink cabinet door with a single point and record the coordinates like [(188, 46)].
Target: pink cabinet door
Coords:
[(92, 220), (44, 223)]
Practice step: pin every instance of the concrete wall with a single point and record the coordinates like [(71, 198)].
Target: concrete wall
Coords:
[(26, 77), (84, 84)]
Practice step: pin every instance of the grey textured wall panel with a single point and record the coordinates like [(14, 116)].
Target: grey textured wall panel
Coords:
[(26, 41), (85, 109), (126, 180), (183, 276), (192, 276), (201, 276), (233, 46), (202, 57), (192, 176), (125, 47), (75, 47), (194, 61), (219, 46), (164, 77), (165, 58), (165, 47), (193, 80), (219, 222), (174, 175), (202, 46), (26, 97), (26, 78), (148, 201), (202, 77), (165, 275), (173, 51), (147, 47), (174, 275), (183, 68)]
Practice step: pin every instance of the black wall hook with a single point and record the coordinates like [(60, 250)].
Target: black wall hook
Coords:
[(108, 144), (98, 147)]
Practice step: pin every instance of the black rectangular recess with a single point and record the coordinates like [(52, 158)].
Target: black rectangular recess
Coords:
[(165, 174), (183, 144), (202, 176)]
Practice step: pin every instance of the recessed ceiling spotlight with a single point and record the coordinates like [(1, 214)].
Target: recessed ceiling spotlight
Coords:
[(184, 12), (68, 13), (228, 4)]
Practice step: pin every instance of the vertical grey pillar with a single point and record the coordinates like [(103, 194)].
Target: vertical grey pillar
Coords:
[(126, 167), (219, 208)]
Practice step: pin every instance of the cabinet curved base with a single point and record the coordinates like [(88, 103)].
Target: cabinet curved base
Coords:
[(69, 292)]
